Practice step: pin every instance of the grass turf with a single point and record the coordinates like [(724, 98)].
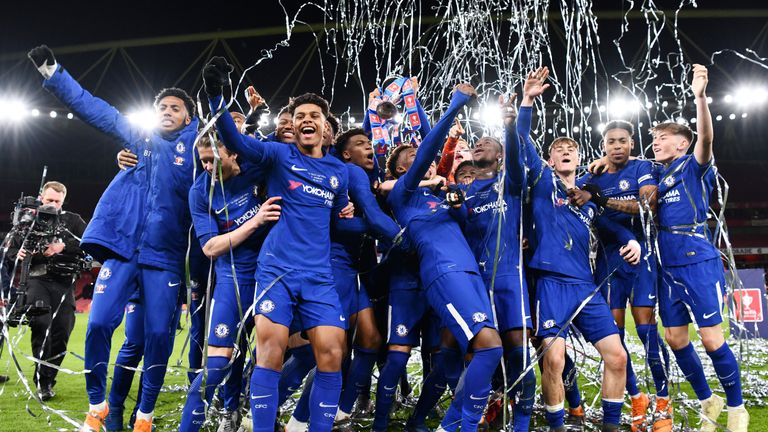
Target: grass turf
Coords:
[(20, 413)]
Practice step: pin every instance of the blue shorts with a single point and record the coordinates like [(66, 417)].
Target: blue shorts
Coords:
[(353, 297), (636, 284), (461, 301), (225, 314), (407, 310), (692, 293), (282, 291), (511, 303), (557, 301)]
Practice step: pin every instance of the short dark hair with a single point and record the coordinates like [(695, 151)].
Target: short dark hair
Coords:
[(334, 122), (675, 129), (309, 98), (342, 140), (393, 159), (179, 93), (619, 124), (463, 165), (283, 110)]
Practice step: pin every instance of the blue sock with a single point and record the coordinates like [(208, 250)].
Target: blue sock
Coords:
[(690, 364), (631, 377), (571, 383), (453, 416), (232, 389), (727, 370), (324, 401), (477, 386), (264, 398), (298, 365), (301, 412), (454, 366), (432, 389), (524, 392), (389, 377), (358, 377), (612, 412), (193, 415), (649, 335), (555, 419)]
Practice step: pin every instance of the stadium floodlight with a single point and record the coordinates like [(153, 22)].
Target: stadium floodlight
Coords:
[(562, 130), (750, 95), (35, 112), (732, 116), (587, 110), (620, 107), (743, 115), (491, 115), (398, 118), (53, 114), (576, 129), (719, 117), (728, 98), (12, 110), (601, 127), (144, 118), (352, 119), (264, 120), (70, 116)]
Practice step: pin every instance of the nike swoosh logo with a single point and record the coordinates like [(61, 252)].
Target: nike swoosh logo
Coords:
[(218, 212), (427, 193), (342, 318), (324, 405), (651, 297), (295, 168), (198, 413), (708, 316), (260, 397), (389, 388), (173, 285), (471, 396)]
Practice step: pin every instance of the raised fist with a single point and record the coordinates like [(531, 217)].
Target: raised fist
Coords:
[(43, 59), (216, 75)]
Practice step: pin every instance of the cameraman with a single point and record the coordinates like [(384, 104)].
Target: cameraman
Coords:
[(51, 280)]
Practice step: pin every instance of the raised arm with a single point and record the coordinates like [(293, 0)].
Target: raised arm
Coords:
[(702, 151), (533, 87), (431, 144), (360, 192), (513, 162), (92, 110), (215, 76), (449, 148)]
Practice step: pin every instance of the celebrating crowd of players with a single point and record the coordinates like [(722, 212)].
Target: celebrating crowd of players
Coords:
[(483, 259)]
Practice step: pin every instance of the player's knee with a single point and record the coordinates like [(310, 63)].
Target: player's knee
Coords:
[(329, 357), (676, 339), (616, 358), (486, 338), (553, 364), (712, 338)]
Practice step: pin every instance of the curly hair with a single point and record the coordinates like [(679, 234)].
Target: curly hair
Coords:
[(178, 93), (309, 98), (394, 158)]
